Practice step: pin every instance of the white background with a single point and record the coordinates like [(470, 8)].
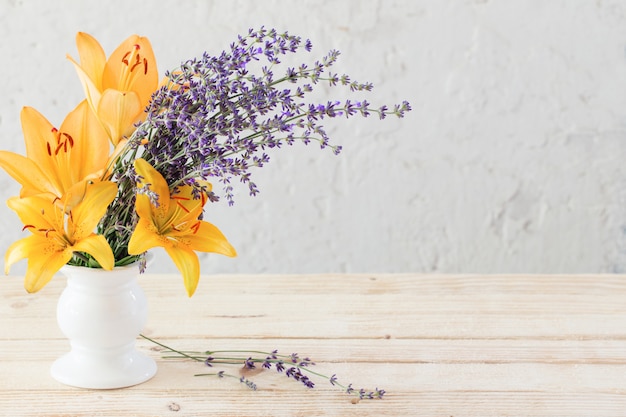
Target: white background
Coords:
[(511, 161)]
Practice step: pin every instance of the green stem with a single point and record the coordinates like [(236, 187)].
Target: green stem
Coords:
[(171, 350)]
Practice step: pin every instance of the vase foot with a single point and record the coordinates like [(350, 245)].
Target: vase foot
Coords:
[(102, 371)]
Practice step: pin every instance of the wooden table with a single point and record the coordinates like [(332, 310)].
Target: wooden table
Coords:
[(440, 345)]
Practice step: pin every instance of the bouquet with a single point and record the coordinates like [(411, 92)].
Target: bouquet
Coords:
[(134, 164)]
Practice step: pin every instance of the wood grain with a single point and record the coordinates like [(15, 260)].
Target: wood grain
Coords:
[(440, 345)]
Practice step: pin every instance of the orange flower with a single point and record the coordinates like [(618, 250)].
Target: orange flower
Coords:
[(58, 161), (174, 225), (57, 233), (117, 89)]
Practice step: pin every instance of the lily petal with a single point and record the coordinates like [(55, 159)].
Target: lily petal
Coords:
[(19, 250), (28, 174), (145, 237), (92, 57), (43, 260), (209, 238), (41, 269), (90, 142), (87, 214), (185, 198), (157, 184), (37, 213), (75, 194), (92, 90), (98, 247), (188, 264), (118, 111), (41, 143)]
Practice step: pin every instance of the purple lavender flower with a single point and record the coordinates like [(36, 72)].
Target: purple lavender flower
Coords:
[(297, 375), (249, 364), (218, 116), (333, 379), (248, 383)]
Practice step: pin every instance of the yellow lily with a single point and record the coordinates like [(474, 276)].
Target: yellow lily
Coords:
[(58, 161), (57, 233), (174, 225), (117, 89)]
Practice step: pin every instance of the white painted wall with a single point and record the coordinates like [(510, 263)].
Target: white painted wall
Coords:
[(512, 160)]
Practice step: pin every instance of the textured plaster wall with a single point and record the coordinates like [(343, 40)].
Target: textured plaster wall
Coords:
[(512, 160)]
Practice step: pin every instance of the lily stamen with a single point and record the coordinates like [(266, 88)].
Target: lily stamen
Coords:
[(46, 231), (68, 138)]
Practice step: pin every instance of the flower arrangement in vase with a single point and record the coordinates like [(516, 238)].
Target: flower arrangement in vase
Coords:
[(133, 165)]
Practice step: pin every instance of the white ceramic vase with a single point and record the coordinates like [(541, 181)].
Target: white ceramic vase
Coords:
[(102, 313)]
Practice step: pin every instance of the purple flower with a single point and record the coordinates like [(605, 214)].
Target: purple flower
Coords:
[(248, 383), (218, 116), (249, 364)]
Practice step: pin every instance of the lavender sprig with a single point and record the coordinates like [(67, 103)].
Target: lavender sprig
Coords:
[(218, 116), (293, 366)]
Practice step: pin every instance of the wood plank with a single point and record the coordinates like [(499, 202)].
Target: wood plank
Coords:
[(409, 307), (393, 377), (443, 351), (244, 403), (425, 284)]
